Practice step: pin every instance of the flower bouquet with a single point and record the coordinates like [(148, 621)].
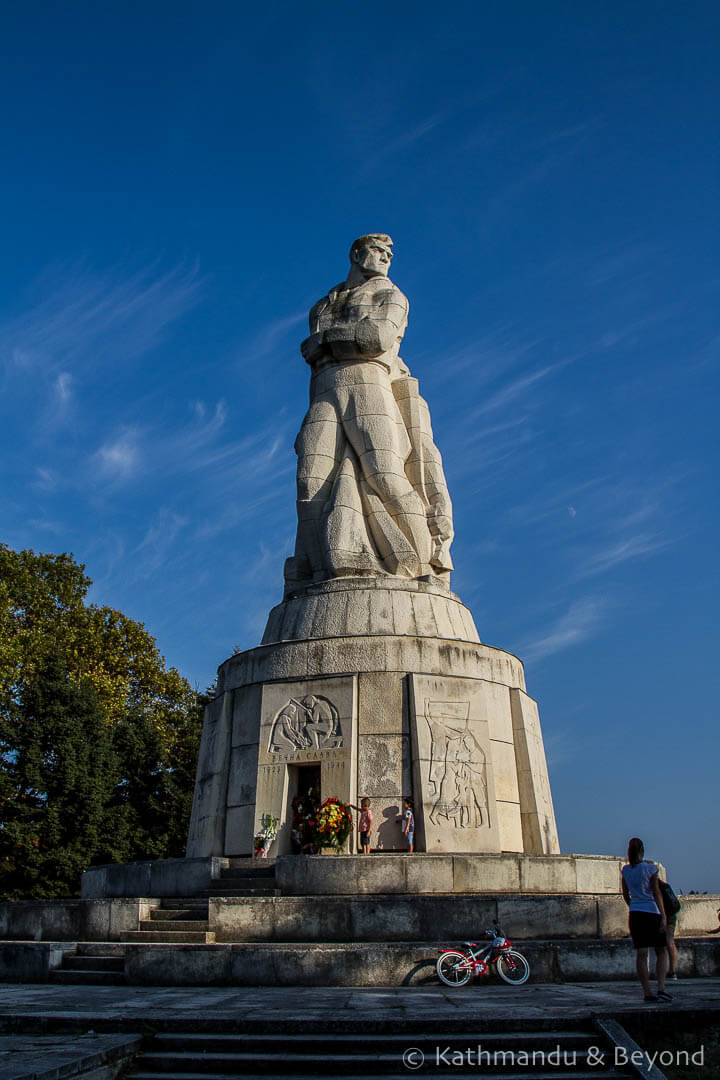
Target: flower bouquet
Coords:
[(266, 835), (332, 824)]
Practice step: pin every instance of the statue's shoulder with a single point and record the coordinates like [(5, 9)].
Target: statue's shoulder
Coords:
[(323, 302), (385, 291)]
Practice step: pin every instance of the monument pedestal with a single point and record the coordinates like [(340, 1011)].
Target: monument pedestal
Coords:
[(378, 688)]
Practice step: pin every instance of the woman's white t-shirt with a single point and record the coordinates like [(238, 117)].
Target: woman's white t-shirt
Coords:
[(637, 878)]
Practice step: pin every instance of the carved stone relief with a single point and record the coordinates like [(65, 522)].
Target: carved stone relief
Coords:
[(457, 771), (454, 765), (306, 724)]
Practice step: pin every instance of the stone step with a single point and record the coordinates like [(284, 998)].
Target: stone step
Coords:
[(169, 937), (265, 866), (257, 868), (230, 890), (382, 964), (386, 917), (575, 1074), (509, 1054), (100, 948), (385, 1042), (93, 963), (87, 978), (258, 879), (555, 1051), (176, 1064), (238, 881), (184, 926), (180, 902), (180, 914)]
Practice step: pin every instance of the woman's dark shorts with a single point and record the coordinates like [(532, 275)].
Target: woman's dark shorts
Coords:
[(645, 930), (364, 838)]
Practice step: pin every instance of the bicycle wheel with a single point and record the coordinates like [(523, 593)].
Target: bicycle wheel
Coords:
[(513, 967), (453, 969)]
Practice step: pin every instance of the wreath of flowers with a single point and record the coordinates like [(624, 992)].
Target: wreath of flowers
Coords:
[(332, 824)]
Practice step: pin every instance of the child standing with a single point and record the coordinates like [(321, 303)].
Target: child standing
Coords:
[(408, 820), (365, 825)]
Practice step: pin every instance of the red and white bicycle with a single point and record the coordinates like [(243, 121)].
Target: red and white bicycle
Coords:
[(456, 968)]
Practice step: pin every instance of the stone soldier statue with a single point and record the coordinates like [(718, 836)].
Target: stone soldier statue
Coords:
[(372, 497)]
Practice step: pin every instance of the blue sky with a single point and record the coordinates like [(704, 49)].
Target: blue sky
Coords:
[(181, 182)]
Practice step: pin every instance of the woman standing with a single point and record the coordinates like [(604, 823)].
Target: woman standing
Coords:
[(648, 924)]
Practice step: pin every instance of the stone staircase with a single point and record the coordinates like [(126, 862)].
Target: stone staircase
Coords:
[(246, 877), (93, 964), (567, 1051), (185, 921), (181, 921), (175, 922)]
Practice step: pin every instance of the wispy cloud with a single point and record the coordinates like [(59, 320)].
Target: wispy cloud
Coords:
[(547, 155), (486, 358), (379, 138), (412, 134), (599, 524), (582, 620), (151, 554), (44, 480), (563, 746), (63, 387), (516, 388), (78, 317), (630, 547), (507, 390), (628, 519), (119, 457), (271, 335), (60, 404)]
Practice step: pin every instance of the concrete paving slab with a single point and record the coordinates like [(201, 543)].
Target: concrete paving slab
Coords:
[(49, 1008), (49, 1057)]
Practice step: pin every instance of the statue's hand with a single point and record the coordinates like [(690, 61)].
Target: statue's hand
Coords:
[(441, 531), (312, 348), (440, 525), (440, 558)]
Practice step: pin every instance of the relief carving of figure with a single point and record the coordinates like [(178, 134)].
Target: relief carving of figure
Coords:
[(458, 770), (310, 724), (372, 496)]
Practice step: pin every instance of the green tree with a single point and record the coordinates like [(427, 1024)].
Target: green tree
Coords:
[(43, 612), (150, 806), (58, 778), (151, 716)]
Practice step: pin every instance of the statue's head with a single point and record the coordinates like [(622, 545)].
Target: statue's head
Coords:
[(372, 254)]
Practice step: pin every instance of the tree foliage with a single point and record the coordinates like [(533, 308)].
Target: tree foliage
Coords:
[(58, 767), (90, 717)]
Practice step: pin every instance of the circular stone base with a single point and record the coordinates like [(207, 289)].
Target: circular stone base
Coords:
[(345, 607)]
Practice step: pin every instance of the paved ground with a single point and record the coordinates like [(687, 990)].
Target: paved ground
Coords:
[(48, 1057), (29, 1014), (122, 1007)]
